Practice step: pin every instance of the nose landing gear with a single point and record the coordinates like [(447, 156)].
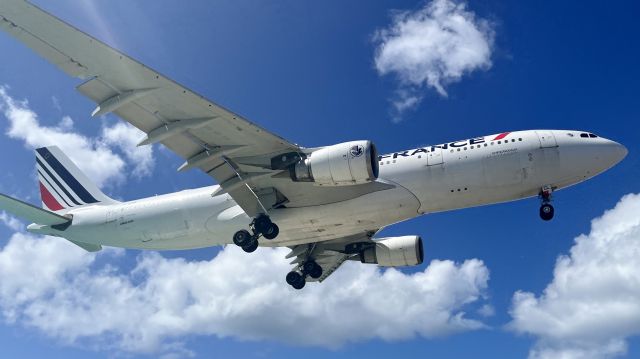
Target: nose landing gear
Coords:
[(261, 225), (546, 209)]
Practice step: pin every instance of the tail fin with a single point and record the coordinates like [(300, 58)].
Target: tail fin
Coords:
[(62, 185)]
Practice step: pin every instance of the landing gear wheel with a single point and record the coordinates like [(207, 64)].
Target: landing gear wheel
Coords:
[(271, 232), (296, 280), (316, 272), (313, 269), (546, 211), (242, 238), (299, 284), (262, 223), (251, 246)]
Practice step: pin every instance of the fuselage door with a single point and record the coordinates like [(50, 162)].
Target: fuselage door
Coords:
[(547, 139), (434, 157)]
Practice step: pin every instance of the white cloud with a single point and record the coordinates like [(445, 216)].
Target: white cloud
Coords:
[(94, 156), (433, 46), (70, 297), (487, 310), (591, 306), (56, 103), (66, 124), (126, 137), (10, 221)]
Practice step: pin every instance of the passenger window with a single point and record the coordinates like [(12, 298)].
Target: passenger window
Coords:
[(520, 139), (513, 140)]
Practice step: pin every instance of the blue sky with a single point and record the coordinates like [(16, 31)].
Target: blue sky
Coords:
[(308, 71)]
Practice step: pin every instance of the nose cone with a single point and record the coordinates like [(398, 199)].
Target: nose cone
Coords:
[(619, 152), (623, 152), (611, 153)]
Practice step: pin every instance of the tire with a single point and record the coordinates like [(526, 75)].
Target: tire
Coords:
[(299, 284), (308, 266), (272, 232), (262, 224), (546, 212), (313, 269), (251, 247), (293, 277), (241, 238), (316, 272)]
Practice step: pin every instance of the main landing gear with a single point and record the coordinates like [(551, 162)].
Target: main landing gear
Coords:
[(546, 209), (298, 278), (261, 225)]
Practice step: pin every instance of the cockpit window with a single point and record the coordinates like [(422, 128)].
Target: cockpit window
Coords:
[(588, 135)]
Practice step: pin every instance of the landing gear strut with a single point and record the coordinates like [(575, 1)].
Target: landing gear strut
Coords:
[(298, 278), (546, 209), (261, 225)]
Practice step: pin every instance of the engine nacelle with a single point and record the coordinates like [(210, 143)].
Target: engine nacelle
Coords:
[(343, 164), (395, 252)]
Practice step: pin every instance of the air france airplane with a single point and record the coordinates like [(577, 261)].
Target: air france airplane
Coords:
[(326, 204)]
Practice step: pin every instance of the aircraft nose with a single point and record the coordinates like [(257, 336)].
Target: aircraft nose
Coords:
[(623, 152), (614, 152)]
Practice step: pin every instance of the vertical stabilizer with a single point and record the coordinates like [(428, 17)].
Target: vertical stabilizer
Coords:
[(62, 185)]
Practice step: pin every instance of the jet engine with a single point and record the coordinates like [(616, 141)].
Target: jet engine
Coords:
[(395, 252), (344, 164)]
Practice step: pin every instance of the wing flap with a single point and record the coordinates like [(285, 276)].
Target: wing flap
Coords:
[(30, 212), (329, 265)]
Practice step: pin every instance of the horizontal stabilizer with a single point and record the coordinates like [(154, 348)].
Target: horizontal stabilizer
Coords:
[(87, 246), (30, 212)]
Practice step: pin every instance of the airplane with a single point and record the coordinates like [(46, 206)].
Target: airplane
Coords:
[(326, 204)]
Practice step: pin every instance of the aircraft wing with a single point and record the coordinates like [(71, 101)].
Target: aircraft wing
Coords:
[(330, 254), (235, 152)]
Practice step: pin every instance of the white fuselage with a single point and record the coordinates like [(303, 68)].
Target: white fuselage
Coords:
[(438, 178)]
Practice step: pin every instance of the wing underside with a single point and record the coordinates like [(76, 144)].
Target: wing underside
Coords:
[(329, 255), (234, 151)]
